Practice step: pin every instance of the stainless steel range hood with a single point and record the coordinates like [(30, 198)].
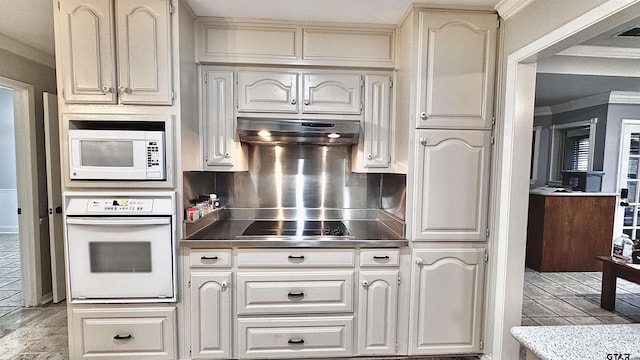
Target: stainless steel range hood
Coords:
[(277, 131)]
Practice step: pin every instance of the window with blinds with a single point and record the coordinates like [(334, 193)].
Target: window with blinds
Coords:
[(577, 157)]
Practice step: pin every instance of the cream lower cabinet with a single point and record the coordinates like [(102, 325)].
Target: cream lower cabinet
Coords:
[(211, 315), (451, 185), (123, 333), (446, 301), (377, 312)]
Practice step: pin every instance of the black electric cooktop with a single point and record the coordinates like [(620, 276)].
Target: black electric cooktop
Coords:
[(296, 228)]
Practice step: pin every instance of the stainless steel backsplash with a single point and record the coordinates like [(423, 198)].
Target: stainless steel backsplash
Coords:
[(301, 176)]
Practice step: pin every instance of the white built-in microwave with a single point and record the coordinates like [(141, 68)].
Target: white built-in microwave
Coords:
[(116, 155)]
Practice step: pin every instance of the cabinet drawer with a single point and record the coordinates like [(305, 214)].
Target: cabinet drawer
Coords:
[(210, 258), (295, 337), (293, 258), (382, 257), (141, 333), (295, 292)]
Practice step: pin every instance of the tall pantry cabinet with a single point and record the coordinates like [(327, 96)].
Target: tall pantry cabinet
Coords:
[(451, 56), (117, 64)]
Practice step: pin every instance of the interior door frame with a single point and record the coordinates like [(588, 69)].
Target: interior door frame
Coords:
[(27, 184), (509, 206)]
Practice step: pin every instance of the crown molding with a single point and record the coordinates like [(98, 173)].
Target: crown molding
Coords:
[(508, 8), (612, 97), (610, 52), (26, 51), (542, 111)]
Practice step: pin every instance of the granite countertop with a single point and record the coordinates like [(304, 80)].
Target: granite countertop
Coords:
[(365, 231), (584, 342)]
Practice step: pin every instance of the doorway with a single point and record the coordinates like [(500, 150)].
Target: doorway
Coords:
[(628, 218), (10, 273), (22, 259)]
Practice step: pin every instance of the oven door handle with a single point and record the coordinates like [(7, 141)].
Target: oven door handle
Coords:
[(119, 222)]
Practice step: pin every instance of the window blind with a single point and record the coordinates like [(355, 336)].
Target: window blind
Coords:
[(578, 147)]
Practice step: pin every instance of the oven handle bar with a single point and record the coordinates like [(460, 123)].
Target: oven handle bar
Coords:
[(119, 222)]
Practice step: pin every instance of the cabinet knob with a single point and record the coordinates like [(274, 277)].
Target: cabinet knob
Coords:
[(307, 102), (107, 89), (365, 284), (423, 141), (423, 115), (293, 101), (124, 90), (369, 156), (419, 261), (227, 155), (224, 285)]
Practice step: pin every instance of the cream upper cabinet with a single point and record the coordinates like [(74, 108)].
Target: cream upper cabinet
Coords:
[(446, 301), (456, 68), (297, 93), (451, 185), (377, 312), (332, 94), (263, 91), (220, 149), (210, 315), (92, 32), (377, 122)]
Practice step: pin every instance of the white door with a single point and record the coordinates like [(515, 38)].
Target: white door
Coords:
[(211, 315), (628, 218), (54, 195), (452, 185), (332, 94), (377, 312), (267, 91), (377, 121), (446, 301), (455, 83), (217, 118), (87, 51), (144, 51)]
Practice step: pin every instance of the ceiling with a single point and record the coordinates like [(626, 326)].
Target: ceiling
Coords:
[(31, 23)]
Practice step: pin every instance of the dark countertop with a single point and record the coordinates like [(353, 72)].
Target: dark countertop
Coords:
[(228, 233)]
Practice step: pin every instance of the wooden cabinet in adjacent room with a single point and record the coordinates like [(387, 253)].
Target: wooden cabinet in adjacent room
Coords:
[(566, 232)]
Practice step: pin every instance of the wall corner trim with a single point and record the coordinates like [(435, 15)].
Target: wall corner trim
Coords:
[(14, 46), (508, 8)]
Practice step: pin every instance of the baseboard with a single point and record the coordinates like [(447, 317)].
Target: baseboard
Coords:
[(46, 298)]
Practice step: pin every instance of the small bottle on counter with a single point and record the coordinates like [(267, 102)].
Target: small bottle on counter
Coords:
[(213, 201)]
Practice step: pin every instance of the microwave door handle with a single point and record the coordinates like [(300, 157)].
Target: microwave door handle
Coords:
[(119, 222)]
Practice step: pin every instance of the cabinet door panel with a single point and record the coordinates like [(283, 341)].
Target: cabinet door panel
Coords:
[(332, 94), (211, 315), (218, 122), (144, 56), (457, 81), (377, 312), (447, 301), (452, 185), (267, 92), (376, 123), (87, 51)]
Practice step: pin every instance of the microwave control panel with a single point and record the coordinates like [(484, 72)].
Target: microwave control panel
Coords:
[(119, 205)]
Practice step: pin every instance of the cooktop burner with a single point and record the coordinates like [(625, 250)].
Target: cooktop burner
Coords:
[(296, 228)]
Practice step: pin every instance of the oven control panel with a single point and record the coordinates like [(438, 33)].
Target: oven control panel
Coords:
[(119, 205)]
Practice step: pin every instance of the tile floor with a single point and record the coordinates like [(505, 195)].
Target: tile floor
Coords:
[(10, 282), (573, 298)]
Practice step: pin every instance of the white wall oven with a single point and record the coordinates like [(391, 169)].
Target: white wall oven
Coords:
[(120, 247), (116, 155)]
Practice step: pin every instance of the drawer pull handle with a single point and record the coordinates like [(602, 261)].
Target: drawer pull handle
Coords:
[(381, 257), (296, 294), (296, 257), (125, 337), (208, 258), (296, 341)]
